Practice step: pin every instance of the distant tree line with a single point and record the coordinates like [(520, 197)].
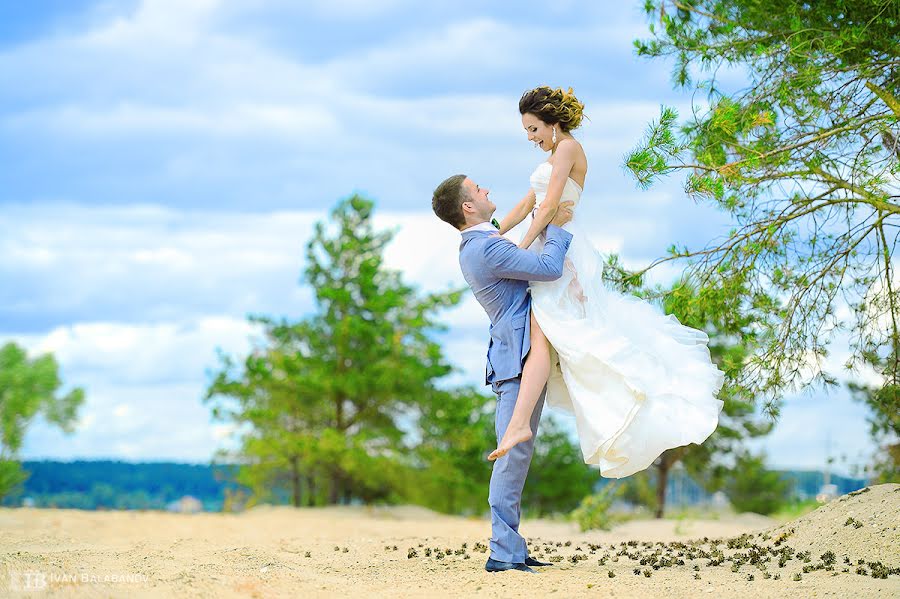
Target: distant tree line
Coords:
[(107, 484), (104, 484)]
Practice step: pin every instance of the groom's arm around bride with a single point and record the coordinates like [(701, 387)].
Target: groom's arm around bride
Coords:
[(509, 261)]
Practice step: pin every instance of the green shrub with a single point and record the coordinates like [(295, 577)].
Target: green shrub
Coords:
[(753, 488), (593, 511)]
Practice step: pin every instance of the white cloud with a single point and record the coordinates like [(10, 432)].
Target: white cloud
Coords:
[(143, 387), (164, 68), (147, 263), (456, 49), (215, 115), (355, 10), (141, 354), (126, 119), (133, 421), (167, 67)]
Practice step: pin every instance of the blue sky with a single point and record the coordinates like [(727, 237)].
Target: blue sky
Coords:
[(164, 162)]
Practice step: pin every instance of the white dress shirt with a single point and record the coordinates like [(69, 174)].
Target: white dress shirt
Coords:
[(485, 226)]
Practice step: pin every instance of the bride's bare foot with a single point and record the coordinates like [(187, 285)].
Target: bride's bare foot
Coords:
[(511, 438)]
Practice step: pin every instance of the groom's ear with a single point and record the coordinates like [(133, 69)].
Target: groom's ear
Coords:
[(468, 203)]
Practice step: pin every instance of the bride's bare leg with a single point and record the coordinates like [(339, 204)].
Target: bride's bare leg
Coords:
[(535, 373)]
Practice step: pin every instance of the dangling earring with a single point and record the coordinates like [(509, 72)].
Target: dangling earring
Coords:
[(554, 135)]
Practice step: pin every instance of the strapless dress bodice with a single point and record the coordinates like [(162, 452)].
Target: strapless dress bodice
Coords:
[(540, 181)]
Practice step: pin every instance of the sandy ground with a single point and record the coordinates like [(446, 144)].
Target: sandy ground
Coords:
[(365, 552)]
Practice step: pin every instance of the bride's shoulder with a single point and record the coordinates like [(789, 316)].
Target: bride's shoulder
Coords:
[(571, 147)]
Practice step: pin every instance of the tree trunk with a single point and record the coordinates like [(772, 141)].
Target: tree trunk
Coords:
[(334, 493), (339, 413), (295, 480), (311, 490), (661, 482)]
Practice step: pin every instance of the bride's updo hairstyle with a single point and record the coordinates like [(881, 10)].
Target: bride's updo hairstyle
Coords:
[(553, 106)]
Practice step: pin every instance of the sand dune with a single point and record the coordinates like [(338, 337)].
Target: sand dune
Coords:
[(409, 551)]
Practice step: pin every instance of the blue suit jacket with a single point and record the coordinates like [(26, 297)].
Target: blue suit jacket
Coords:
[(498, 272)]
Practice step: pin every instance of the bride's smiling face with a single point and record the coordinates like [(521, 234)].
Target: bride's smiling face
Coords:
[(538, 131)]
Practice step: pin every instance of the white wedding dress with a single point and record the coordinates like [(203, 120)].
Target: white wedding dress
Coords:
[(637, 380)]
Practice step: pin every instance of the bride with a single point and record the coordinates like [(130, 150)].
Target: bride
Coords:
[(637, 380)]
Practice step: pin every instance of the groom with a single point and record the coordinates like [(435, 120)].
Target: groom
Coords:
[(498, 272)]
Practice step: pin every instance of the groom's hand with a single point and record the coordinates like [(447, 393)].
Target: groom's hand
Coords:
[(563, 213)]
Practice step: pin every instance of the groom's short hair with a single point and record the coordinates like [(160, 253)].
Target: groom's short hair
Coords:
[(448, 198)]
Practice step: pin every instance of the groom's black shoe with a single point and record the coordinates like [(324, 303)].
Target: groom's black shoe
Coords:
[(493, 565), (529, 561)]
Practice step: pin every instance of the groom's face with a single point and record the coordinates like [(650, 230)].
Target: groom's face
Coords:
[(478, 204)]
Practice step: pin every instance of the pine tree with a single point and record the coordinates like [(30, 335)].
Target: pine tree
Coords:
[(319, 405), (804, 156)]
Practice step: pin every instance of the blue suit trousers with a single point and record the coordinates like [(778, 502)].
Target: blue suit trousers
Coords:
[(508, 476)]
